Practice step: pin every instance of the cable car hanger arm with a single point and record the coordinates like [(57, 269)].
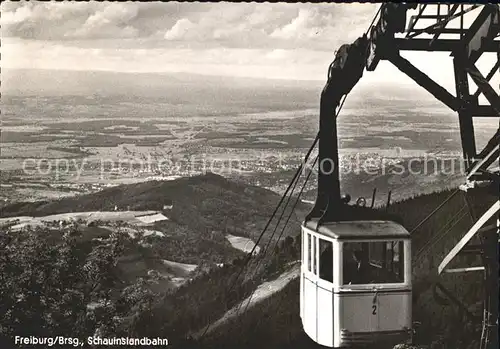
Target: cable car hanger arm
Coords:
[(343, 73)]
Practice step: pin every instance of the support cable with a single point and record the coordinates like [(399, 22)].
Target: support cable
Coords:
[(435, 210), (297, 173), (287, 220), (438, 236), (262, 255)]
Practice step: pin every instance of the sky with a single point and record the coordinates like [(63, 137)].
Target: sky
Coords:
[(261, 40)]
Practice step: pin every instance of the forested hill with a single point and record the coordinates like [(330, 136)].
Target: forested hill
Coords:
[(203, 203)]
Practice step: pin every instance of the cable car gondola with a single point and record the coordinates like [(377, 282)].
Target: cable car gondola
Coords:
[(355, 282), (355, 279)]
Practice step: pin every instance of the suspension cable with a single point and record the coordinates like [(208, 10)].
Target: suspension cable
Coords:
[(297, 173), (263, 254), (435, 210), (279, 219), (295, 204), (438, 236), (373, 20), (249, 256), (287, 220), (284, 209)]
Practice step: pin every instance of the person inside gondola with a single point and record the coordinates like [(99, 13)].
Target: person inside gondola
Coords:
[(363, 269), (350, 266)]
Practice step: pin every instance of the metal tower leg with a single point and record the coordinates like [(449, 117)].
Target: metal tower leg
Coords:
[(489, 338), (464, 112)]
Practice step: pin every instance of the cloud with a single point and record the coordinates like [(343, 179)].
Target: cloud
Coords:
[(111, 21), (68, 20), (286, 26), (294, 41), (181, 30), (307, 24), (230, 25), (42, 20)]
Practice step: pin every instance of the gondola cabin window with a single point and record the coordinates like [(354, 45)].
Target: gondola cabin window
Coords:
[(309, 252), (375, 262), (318, 257), (326, 260), (314, 251)]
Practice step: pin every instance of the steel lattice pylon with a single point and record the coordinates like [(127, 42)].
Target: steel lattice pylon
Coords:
[(466, 32)]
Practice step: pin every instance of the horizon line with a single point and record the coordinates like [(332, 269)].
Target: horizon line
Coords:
[(311, 80)]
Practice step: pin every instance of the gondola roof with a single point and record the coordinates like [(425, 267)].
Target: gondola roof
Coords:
[(370, 229)]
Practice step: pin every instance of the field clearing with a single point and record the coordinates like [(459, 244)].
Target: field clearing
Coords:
[(131, 217), (241, 243), (37, 150), (180, 268)]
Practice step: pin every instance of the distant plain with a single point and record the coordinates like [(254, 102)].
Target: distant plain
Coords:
[(98, 129)]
